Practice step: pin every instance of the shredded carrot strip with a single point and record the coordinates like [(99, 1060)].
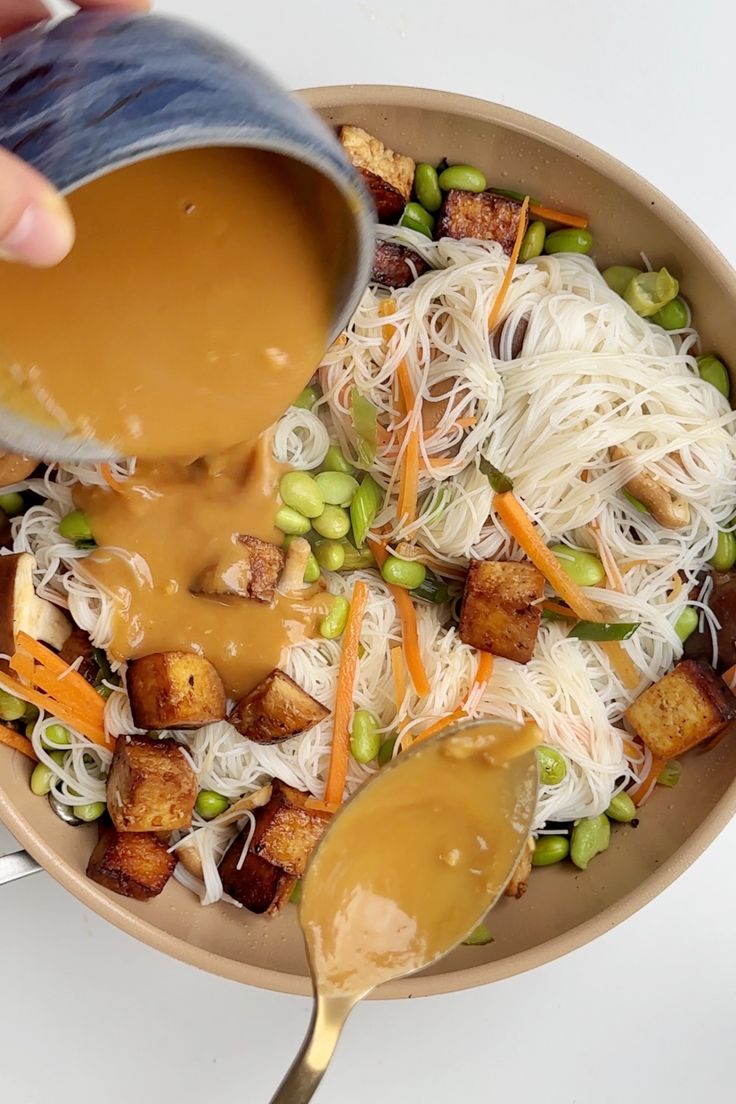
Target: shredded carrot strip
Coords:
[(94, 732), (482, 675), (466, 423), (112, 482), (485, 669), (20, 743), (23, 665), (729, 677), (506, 282), (621, 662), (437, 726), (338, 769), (607, 558), (555, 607), (318, 806), (626, 565), (407, 614), (541, 212), (63, 683), (409, 478), (523, 530), (632, 750), (641, 792), (399, 676), (59, 692)]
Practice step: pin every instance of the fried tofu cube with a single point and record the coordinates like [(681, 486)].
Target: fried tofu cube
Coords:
[(175, 690), (501, 610), (519, 880), (134, 864), (256, 884), (287, 831), (482, 215), (251, 571), (389, 176), (275, 710), (690, 704), (395, 265), (150, 787)]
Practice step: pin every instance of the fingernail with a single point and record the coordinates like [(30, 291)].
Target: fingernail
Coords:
[(44, 233)]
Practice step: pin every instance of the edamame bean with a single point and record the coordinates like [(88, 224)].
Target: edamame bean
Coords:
[(386, 750), (56, 735), (42, 779), (333, 523), (210, 804), (333, 623), (479, 937), (724, 556), (292, 522), (670, 774), (715, 372), (687, 623), (532, 244), (650, 291), (673, 316), (426, 186), (311, 571), (622, 809), (584, 568), (551, 765), (618, 277), (416, 218), (589, 838), (550, 849), (336, 488), (300, 491), (335, 461), (403, 573), (365, 738), (90, 812), (76, 527), (32, 713), (466, 178), (568, 241), (306, 399), (11, 708), (12, 504), (330, 555)]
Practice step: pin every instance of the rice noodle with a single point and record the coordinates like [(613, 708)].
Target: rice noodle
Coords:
[(591, 375)]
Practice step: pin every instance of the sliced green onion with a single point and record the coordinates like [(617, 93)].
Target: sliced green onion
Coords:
[(498, 480), (356, 559), (365, 423), (604, 630), (670, 775), (635, 502), (433, 589), (363, 509), (518, 196)]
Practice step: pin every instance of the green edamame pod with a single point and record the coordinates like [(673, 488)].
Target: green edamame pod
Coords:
[(650, 291), (550, 849), (568, 241), (416, 218), (622, 809), (334, 461), (311, 571), (306, 399), (532, 244), (715, 372), (90, 812), (589, 838), (12, 504), (464, 178), (75, 527), (670, 774), (333, 523), (336, 488), (330, 555), (386, 750), (673, 315), (291, 522), (301, 492), (210, 804), (403, 573), (479, 937), (584, 568), (333, 623), (551, 765), (11, 708), (724, 556), (618, 277), (687, 623), (426, 186), (365, 738)]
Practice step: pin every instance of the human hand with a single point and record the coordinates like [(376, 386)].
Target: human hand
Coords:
[(36, 225)]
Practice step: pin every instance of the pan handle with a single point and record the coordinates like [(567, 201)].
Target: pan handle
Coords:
[(17, 865)]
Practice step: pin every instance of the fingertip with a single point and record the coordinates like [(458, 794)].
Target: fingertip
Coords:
[(43, 233)]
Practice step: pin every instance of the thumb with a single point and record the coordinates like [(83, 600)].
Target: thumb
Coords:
[(36, 226)]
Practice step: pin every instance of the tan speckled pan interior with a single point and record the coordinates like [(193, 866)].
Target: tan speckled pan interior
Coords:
[(562, 908)]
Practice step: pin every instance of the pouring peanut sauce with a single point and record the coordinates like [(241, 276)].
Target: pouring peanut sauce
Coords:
[(407, 870)]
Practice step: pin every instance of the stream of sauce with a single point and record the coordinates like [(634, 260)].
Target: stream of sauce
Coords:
[(174, 521), (415, 859), (193, 308)]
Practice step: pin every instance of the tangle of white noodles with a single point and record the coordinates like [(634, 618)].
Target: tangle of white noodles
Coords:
[(591, 375), (300, 439)]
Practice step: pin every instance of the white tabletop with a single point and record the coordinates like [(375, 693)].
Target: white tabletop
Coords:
[(644, 1014)]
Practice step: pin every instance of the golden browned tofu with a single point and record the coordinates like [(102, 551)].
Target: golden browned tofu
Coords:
[(482, 215), (175, 690), (286, 831), (389, 176), (501, 611), (275, 710), (690, 704), (134, 864), (150, 787), (395, 265), (251, 571), (519, 882), (257, 885)]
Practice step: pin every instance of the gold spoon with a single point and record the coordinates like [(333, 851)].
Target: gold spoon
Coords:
[(408, 869)]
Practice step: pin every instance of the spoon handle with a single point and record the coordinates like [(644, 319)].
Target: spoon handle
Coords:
[(309, 1066)]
